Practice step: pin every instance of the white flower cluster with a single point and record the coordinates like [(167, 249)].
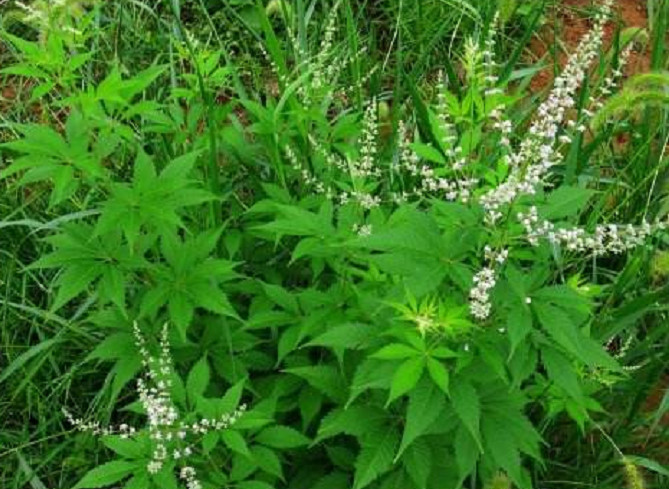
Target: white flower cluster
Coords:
[(365, 166), (503, 125), (307, 177), (165, 430), (326, 68), (607, 238), (362, 230), (484, 281), (189, 475), (538, 152), (489, 64)]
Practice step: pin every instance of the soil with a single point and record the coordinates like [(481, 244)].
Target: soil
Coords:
[(572, 21)]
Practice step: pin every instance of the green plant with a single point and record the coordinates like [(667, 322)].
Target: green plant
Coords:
[(412, 292)]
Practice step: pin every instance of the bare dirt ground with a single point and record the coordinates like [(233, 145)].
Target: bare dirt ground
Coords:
[(570, 22)]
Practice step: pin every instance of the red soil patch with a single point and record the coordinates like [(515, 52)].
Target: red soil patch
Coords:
[(573, 21)]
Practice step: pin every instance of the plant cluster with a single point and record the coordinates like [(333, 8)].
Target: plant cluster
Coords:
[(354, 290)]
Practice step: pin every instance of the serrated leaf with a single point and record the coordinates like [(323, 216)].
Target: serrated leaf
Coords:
[(406, 377), (198, 379), (232, 397), (428, 153), (138, 481), (375, 457), (267, 460), (281, 437), (466, 404), (74, 280), (125, 447), (326, 379), (426, 402), (566, 333), (396, 351), (417, 461), (235, 442), (371, 374), (281, 297), (561, 371), (503, 449), (466, 452), (347, 336), (354, 421), (438, 373), (566, 201), (106, 474), (519, 325)]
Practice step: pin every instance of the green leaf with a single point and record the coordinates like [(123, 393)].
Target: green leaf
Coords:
[(418, 462), (267, 460), (567, 334), (281, 297), (125, 447), (375, 457), (561, 371), (503, 449), (519, 325), (428, 153), (138, 481), (281, 437), (355, 421), (74, 280), (371, 374), (564, 202), (466, 404), (106, 474), (406, 377), (198, 379), (235, 442), (326, 379), (254, 485), (426, 402), (347, 336), (467, 450), (396, 351), (181, 312), (232, 397), (438, 373)]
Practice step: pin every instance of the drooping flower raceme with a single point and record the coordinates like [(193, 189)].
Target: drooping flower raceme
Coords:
[(606, 238), (168, 434), (538, 152)]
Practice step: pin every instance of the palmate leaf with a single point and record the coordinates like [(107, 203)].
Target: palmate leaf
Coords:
[(151, 201), (64, 161), (189, 279), (88, 260)]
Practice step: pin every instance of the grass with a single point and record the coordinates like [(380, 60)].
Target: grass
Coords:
[(271, 288)]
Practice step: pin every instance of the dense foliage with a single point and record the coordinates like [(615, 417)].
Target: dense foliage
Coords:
[(262, 246)]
